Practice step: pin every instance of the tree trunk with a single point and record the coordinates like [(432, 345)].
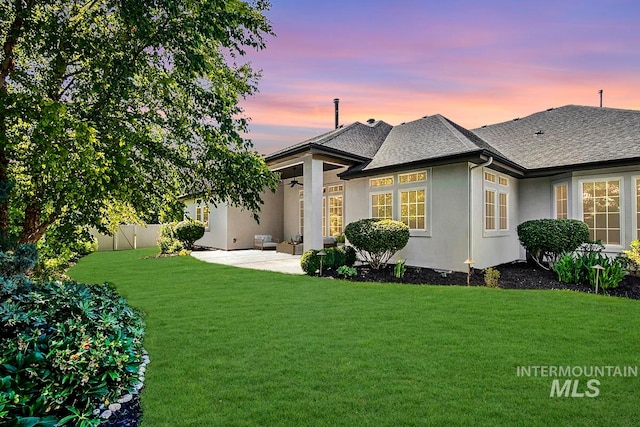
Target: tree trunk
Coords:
[(32, 228)]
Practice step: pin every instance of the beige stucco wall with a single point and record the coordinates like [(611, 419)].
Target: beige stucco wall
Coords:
[(242, 227), (234, 228), (216, 235)]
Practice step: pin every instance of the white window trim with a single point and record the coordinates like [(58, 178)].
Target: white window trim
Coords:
[(554, 214), (335, 196), (620, 179), (497, 189), (426, 207), (392, 177), (393, 201), (499, 218)]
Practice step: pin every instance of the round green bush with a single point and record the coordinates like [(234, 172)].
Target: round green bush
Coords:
[(550, 238), (377, 240), (310, 262), (188, 231)]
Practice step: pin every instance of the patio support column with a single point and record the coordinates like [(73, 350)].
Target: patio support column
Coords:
[(312, 178)]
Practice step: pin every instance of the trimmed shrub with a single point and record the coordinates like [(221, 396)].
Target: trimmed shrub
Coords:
[(178, 236), (332, 260), (188, 231), (377, 240), (633, 257), (65, 347), (548, 239)]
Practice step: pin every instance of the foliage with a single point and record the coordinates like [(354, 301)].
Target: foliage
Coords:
[(130, 101), (579, 268), (340, 238), (377, 240), (548, 239), (346, 271), (59, 249), (65, 347), (399, 269), (176, 237), (491, 277), (633, 256), (332, 260), (188, 231)]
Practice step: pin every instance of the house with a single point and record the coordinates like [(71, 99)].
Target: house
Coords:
[(462, 192)]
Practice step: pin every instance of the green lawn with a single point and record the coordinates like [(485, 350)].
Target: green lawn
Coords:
[(235, 347)]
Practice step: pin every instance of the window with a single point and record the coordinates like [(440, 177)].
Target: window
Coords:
[(496, 203), (381, 182), (335, 215), (412, 208), (601, 210), (335, 188), (202, 215), (489, 177), (562, 199), (489, 210), (301, 206), (504, 224), (412, 177), (382, 206), (324, 216)]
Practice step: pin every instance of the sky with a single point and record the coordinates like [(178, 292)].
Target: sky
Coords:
[(474, 62)]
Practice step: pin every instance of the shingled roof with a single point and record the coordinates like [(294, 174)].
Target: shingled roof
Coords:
[(356, 139), (567, 136), (428, 138)]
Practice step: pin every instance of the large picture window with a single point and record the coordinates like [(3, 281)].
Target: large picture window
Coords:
[(504, 209), (412, 208), (601, 210)]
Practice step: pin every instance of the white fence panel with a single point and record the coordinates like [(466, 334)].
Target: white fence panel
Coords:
[(129, 236)]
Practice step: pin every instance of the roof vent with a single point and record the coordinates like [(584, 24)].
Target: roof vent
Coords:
[(424, 117), (371, 121), (550, 109), (484, 126), (540, 132), (516, 119), (402, 123)]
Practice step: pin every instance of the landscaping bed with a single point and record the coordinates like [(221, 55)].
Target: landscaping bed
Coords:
[(518, 275)]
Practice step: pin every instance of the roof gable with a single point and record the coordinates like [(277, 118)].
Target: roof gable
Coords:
[(430, 137), (358, 139)]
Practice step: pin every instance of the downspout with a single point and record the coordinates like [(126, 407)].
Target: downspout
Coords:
[(469, 226)]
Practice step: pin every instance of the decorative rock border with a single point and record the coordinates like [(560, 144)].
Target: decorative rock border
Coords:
[(106, 410)]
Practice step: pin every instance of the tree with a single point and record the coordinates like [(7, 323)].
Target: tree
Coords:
[(126, 101)]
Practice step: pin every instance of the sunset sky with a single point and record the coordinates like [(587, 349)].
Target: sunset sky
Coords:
[(475, 62)]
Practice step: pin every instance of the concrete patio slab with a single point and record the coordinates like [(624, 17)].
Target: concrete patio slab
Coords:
[(254, 259)]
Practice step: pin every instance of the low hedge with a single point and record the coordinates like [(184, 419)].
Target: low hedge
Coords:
[(334, 258)]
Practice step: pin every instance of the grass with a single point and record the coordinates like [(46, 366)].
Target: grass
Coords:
[(239, 347)]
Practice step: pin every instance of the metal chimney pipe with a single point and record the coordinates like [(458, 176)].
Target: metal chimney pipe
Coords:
[(336, 101), (600, 92)]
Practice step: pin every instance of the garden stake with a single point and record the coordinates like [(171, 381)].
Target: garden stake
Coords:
[(321, 254)]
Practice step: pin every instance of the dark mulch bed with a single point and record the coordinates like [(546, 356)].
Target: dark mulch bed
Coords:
[(129, 415), (519, 275)]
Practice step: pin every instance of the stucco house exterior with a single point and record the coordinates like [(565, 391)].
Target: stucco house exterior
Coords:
[(462, 192)]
